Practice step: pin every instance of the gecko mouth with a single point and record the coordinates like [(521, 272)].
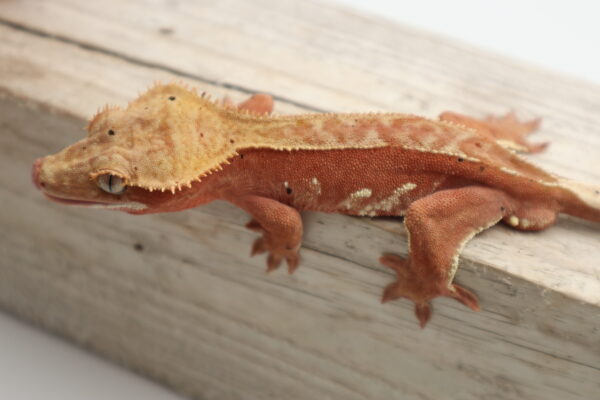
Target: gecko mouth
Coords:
[(74, 202), (131, 207)]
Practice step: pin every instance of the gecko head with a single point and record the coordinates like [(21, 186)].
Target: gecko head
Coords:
[(135, 159)]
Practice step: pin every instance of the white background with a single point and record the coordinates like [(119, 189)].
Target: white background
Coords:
[(557, 35), (560, 35)]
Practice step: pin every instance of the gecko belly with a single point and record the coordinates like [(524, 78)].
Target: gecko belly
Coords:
[(374, 182)]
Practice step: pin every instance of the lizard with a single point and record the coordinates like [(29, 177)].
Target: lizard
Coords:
[(450, 178)]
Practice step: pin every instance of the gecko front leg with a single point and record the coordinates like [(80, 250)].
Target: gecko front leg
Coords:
[(259, 104), (281, 228), (438, 227)]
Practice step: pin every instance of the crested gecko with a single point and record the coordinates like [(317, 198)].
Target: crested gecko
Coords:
[(450, 178)]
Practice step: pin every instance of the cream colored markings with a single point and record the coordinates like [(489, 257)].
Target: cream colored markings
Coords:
[(387, 204), (459, 249), (315, 185), (437, 183), (588, 194), (443, 138), (509, 171), (507, 144), (134, 205), (453, 142), (513, 220), (355, 198), (437, 140)]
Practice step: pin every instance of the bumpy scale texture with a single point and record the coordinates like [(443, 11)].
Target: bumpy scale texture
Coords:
[(172, 149)]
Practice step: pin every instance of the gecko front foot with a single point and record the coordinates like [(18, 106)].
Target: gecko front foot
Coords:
[(279, 248), (421, 291)]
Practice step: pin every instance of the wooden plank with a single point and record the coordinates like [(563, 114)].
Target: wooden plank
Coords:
[(468, 82), (192, 310)]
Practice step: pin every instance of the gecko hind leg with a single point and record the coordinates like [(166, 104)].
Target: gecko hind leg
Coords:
[(507, 130), (439, 226)]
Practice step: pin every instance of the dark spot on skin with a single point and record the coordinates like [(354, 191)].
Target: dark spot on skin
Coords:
[(43, 184), (111, 132), (201, 134), (481, 168), (460, 159), (241, 156), (138, 247), (135, 168), (172, 98), (288, 190), (597, 192), (478, 144), (502, 209), (145, 108), (166, 31), (231, 141), (84, 147)]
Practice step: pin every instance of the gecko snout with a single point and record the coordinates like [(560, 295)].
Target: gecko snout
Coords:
[(35, 173)]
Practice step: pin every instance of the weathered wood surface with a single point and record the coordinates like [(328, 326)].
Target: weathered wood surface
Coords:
[(175, 296)]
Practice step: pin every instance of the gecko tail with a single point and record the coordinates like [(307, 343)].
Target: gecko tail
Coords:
[(582, 200)]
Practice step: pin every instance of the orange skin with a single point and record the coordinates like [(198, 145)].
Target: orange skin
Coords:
[(447, 193)]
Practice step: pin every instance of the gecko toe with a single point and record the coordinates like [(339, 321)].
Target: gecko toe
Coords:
[(390, 293), (423, 313), (292, 262), (273, 262), (258, 247), (254, 226), (465, 296), (393, 261)]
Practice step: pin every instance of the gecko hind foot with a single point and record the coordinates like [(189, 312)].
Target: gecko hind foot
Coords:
[(507, 130), (406, 286)]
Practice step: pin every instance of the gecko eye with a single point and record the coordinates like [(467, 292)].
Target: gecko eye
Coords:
[(112, 184)]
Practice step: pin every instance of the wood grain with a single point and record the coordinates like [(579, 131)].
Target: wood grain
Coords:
[(176, 297)]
